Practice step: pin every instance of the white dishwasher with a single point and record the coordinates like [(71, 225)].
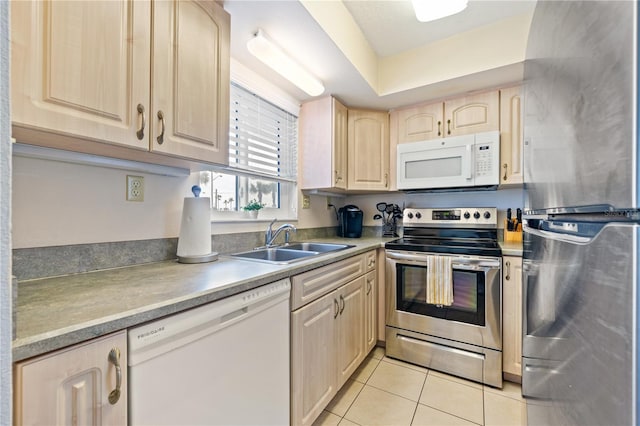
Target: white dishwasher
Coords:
[(225, 363)]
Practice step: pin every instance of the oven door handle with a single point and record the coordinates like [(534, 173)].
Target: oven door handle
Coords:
[(475, 264), (421, 259)]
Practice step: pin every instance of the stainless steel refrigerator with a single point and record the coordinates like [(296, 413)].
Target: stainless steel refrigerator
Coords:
[(581, 230)]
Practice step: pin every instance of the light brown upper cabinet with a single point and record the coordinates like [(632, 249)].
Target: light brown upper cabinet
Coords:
[(368, 150), (460, 116), (472, 114), (323, 144), (95, 76), (511, 136)]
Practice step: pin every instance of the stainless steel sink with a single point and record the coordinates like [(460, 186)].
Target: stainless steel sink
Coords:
[(275, 255), (317, 247), (290, 253)]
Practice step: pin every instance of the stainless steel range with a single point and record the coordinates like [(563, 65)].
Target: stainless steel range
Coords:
[(462, 336)]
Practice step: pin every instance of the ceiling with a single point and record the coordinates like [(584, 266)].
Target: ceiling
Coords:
[(390, 29)]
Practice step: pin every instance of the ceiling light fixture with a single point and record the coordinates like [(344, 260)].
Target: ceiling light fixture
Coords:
[(430, 10), (264, 49)]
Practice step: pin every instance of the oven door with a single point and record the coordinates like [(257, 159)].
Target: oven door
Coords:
[(440, 163), (475, 317)]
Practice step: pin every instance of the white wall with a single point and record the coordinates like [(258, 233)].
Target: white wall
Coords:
[(57, 203), (5, 222)]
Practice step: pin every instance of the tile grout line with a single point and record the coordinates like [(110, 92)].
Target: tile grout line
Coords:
[(359, 392), (415, 411)]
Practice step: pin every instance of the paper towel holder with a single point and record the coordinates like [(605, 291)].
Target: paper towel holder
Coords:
[(195, 251)]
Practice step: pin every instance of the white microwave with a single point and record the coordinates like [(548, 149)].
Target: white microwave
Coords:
[(456, 162)]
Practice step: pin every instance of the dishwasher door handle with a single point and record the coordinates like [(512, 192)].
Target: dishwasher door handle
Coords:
[(235, 314)]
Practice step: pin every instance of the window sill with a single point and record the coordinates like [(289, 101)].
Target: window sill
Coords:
[(243, 217)]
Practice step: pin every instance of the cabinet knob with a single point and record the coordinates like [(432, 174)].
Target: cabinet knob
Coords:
[(114, 358)]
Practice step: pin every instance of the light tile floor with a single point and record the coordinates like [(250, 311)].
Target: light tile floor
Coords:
[(384, 391)]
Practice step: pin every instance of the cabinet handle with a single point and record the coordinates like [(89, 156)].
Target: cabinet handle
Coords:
[(140, 133), (439, 131), (114, 358), (386, 180), (508, 272), (341, 304), (368, 287), (338, 177), (337, 306), (372, 262), (504, 166), (448, 127), (161, 137)]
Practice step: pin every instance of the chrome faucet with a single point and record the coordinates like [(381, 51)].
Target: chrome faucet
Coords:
[(270, 235)]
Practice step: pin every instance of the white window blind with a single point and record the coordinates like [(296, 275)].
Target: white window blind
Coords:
[(263, 139)]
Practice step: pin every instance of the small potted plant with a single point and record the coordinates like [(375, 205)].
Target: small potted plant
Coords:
[(253, 207)]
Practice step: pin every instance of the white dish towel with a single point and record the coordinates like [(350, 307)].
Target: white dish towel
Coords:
[(439, 280)]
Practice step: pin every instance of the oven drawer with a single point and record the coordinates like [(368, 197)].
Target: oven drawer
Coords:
[(472, 362)]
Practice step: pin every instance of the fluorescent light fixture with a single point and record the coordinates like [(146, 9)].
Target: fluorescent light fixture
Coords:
[(430, 10), (264, 49)]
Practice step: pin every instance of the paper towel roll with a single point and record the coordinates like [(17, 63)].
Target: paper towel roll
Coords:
[(195, 229)]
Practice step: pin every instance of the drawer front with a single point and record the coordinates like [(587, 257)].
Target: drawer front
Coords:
[(312, 284)]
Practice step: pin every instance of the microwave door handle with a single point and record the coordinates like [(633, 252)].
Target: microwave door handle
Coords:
[(469, 162)]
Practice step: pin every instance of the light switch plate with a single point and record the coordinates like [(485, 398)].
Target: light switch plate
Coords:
[(306, 201)]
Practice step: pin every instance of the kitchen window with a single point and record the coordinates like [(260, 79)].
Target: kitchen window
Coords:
[(263, 142)]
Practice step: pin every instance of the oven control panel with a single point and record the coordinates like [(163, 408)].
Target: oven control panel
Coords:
[(452, 217)]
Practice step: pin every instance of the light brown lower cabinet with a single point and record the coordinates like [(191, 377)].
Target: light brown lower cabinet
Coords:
[(370, 311), (512, 317), (331, 336), (72, 386)]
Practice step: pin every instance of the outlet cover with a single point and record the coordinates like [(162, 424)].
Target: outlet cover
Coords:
[(306, 201), (135, 188)]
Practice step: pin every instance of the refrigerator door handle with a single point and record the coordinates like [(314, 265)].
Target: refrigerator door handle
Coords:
[(555, 236)]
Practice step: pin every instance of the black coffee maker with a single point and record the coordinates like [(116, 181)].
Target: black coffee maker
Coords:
[(350, 221)]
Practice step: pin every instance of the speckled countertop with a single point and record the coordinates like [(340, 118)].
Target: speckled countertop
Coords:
[(52, 313)]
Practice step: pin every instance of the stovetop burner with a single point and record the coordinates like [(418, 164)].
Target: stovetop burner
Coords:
[(465, 231)]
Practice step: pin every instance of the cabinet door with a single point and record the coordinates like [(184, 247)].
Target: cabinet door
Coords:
[(340, 118), (323, 144), (420, 123), (313, 354), (350, 344), (370, 310), (512, 313), (511, 136), (72, 386), (189, 117), (80, 69), (368, 150), (472, 114)]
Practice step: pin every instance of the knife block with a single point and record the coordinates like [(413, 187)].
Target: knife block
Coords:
[(513, 236)]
